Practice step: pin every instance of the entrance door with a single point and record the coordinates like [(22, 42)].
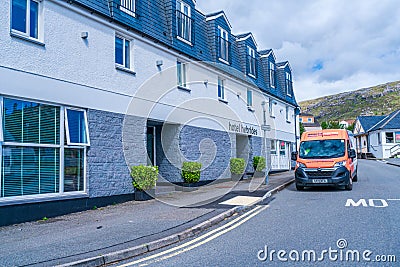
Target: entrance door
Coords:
[(151, 145)]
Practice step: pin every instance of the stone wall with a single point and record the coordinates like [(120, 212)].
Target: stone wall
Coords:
[(107, 169)]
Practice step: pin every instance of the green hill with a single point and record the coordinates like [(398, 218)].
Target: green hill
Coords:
[(377, 100)]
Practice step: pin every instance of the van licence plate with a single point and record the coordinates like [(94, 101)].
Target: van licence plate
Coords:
[(320, 181)]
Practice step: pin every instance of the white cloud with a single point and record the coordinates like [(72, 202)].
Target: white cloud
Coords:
[(332, 45)]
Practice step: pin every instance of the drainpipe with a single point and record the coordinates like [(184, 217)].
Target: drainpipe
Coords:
[(296, 113)]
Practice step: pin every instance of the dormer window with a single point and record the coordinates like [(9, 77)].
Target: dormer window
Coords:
[(251, 62), (223, 45), (128, 6), (289, 84), (272, 75), (184, 22)]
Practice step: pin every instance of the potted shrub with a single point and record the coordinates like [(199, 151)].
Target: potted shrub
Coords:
[(190, 174), (259, 165), (237, 167), (144, 179)]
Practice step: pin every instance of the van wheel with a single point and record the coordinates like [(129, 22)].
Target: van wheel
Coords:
[(299, 187), (349, 186), (355, 178)]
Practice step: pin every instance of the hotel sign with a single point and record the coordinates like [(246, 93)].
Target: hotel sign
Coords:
[(242, 128)]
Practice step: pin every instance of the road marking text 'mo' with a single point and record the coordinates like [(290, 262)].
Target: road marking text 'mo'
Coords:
[(372, 202)]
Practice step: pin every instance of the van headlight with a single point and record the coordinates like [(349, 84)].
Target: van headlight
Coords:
[(340, 164), (300, 165)]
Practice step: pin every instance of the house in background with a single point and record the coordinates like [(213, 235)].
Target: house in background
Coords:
[(346, 123), (309, 122), (378, 136)]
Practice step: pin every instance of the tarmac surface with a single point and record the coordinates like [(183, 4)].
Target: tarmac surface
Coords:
[(395, 161), (119, 228)]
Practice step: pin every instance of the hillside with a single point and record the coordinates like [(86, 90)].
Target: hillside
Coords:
[(376, 100)]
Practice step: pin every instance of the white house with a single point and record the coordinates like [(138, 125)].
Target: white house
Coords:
[(378, 135)]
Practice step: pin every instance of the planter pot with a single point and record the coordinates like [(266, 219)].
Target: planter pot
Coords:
[(259, 174), (236, 177), (144, 195)]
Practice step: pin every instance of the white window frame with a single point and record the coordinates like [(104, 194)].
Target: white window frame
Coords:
[(181, 7), (128, 6), (221, 84), (223, 34), (272, 75), (181, 74), (67, 130), (123, 65), (271, 108), (251, 98), (252, 54), (300, 119), (61, 146), (26, 35), (309, 120), (287, 113), (274, 150), (393, 138), (288, 80)]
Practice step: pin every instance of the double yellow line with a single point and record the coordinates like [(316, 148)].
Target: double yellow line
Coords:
[(201, 240)]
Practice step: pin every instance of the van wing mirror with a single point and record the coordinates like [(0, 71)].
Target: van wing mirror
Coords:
[(294, 155), (352, 154)]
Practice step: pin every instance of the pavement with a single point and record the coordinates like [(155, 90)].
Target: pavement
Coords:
[(394, 162), (113, 233)]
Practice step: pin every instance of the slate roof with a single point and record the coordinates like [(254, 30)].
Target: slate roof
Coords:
[(367, 122), (391, 121), (156, 20), (306, 114)]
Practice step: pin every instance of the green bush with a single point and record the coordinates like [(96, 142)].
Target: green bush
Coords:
[(259, 163), (237, 165), (144, 177), (191, 171)]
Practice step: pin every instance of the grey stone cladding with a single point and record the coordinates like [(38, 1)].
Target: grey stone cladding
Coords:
[(107, 170), (210, 147)]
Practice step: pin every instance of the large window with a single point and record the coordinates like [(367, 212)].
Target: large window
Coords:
[(128, 6), (25, 17), (122, 52), (221, 89), (33, 148), (181, 74), (223, 45), (251, 61), (183, 21)]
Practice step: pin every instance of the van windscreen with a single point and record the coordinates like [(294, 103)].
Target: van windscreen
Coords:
[(322, 149)]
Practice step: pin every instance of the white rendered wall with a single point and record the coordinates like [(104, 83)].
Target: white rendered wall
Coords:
[(80, 72)]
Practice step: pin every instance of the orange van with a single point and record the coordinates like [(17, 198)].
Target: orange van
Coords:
[(325, 158)]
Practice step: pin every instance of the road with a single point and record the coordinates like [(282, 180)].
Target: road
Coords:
[(343, 228)]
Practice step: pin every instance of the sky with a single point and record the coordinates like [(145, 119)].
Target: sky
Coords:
[(332, 45)]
